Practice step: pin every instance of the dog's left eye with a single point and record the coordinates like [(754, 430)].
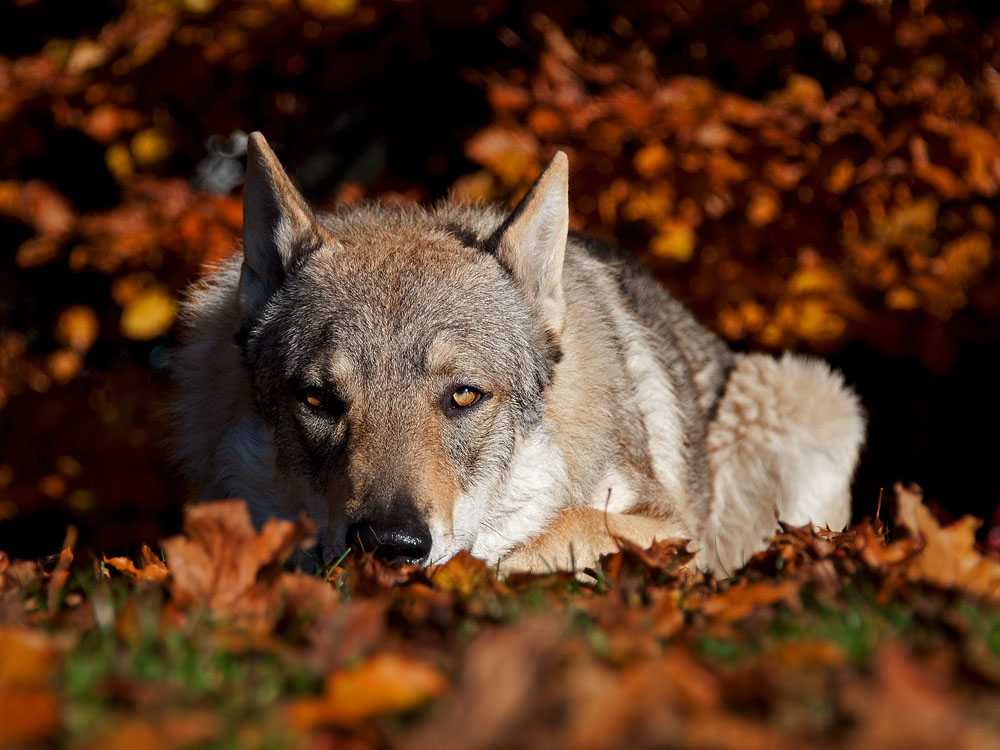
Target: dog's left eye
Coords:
[(320, 400), (465, 396), (314, 397)]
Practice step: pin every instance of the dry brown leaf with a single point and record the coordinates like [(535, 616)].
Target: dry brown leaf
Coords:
[(741, 600), (27, 716), (949, 557), (908, 706), (218, 562), (506, 665), (462, 574), (29, 710), (153, 568)]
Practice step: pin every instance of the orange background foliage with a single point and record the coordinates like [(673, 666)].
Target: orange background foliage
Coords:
[(820, 175)]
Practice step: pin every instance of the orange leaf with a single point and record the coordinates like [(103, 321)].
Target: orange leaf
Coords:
[(763, 208), (739, 602), (949, 557), (153, 568), (651, 160), (77, 327), (218, 562), (461, 574), (27, 658), (27, 716), (675, 241), (840, 177), (386, 683)]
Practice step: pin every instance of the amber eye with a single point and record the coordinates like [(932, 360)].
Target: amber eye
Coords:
[(314, 397), (465, 396)]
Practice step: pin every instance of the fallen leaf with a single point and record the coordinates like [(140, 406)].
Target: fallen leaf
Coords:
[(153, 568), (218, 562), (386, 683), (29, 710), (462, 574), (949, 557), (741, 600), (28, 716)]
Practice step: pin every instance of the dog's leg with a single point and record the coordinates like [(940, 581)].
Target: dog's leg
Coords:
[(579, 536), (783, 445)]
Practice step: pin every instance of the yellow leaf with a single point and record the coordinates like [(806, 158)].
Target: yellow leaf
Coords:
[(676, 242), (149, 314), (654, 204), (915, 220), (817, 322), (385, 683), (813, 280), (119, 161), (150, 146)]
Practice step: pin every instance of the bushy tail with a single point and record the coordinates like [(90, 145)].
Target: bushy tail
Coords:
[(784, 445)]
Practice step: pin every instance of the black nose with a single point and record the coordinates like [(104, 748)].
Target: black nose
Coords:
[(396, 543)]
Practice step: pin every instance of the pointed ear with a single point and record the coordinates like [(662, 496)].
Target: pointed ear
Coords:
[(278, 226), (531, 244)]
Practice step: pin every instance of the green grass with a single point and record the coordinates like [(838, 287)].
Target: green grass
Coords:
[(178, 669)]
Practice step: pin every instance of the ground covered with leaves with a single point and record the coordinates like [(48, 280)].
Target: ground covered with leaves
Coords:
[(869, 638)]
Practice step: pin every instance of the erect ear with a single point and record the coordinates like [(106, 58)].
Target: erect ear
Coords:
[(278, 226), (531, 244)]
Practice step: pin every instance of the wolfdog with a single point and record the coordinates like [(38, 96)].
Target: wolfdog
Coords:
[(423, 381)]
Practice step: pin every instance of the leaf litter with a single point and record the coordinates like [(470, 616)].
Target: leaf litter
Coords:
[(872, 637)]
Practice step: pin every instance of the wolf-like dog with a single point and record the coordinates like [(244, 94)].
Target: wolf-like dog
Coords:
[(423, 381)]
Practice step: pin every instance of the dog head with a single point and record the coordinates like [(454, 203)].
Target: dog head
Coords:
[(399, 357)]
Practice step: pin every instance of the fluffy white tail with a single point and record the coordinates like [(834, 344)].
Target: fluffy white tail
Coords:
[(783, 445)]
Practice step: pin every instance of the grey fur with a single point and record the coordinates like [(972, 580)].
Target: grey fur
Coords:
[(601, 389)]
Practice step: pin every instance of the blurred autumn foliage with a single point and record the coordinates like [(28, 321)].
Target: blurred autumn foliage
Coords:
[(820, 174)]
